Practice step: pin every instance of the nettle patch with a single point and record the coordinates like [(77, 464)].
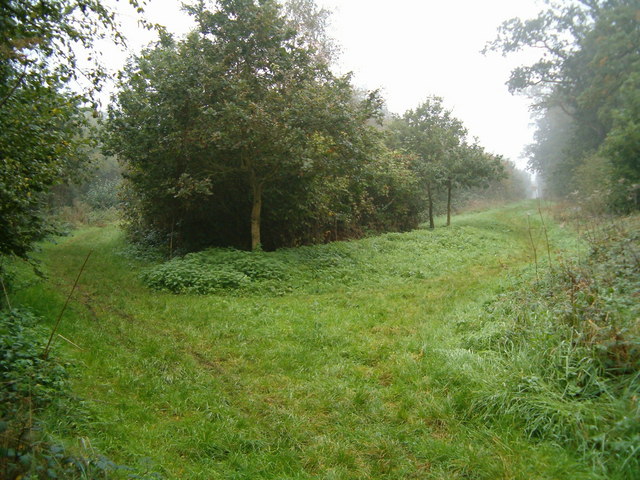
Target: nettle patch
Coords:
[(217, 271), (384, 260)]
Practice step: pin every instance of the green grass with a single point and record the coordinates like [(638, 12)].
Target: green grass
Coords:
[(357, 369)]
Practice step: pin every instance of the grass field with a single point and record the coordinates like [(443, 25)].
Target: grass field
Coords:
[(353, 366)]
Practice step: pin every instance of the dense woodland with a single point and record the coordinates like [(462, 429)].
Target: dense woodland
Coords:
[(241, 135)]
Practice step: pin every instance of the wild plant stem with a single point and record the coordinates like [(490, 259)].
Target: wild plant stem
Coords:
[(6, 295), (546, 235), (533, 246), (64, 307)]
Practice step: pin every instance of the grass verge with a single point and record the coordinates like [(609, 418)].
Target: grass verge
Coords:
[(353, 361)]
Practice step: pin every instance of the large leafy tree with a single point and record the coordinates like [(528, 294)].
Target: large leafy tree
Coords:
[(240, 118), (41, 120), (585, 83)]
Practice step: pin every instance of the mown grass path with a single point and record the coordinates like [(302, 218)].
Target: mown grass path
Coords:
[(350, 376)]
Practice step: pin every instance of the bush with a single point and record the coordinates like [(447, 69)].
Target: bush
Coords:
[(29, 384), (23, 371), (217, 270)]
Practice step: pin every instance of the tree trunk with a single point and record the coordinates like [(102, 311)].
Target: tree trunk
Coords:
[(431, 224), (256, 209), (449, 186)]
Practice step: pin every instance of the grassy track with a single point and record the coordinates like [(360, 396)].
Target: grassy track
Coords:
[(356, 373)]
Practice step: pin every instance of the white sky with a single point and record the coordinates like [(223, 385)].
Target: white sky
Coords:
[(411, 49)]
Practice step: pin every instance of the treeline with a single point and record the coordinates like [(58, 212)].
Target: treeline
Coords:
[(586, 88), (240, 135)]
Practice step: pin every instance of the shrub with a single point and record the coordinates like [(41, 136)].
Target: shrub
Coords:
[(217, 270), (23, 371), (29, 384)]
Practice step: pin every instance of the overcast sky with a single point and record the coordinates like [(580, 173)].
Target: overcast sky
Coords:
[(411, 49)]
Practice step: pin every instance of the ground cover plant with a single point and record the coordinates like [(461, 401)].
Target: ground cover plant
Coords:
[(568, 351), (34, 385), (365, 360)]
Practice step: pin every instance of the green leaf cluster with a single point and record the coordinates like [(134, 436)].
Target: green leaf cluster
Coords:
[(217, 271), (23, 371), (41, 125)]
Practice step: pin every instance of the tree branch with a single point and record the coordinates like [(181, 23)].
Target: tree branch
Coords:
[(14, 88)]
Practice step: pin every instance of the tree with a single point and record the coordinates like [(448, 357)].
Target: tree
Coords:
[(311, 22), (470, 166), (434, 138), (41, 121), (37, 139), (588, 71), (238, 112)]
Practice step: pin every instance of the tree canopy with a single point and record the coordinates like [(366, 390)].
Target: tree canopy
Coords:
[(586, 87), (443, 156), (241, 126)]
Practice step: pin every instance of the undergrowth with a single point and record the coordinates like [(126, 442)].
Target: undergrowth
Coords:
[(30, 385), (386, 258), (219, 270), (351, 366), (565, 354)]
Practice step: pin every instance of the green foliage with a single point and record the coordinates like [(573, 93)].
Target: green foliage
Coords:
[(586, 88), (41, 123), (23, 371), (38, 139), (391, 258), (193, 275), (312, 23), (440, 155), (31, 385), (97, 185), (569, 352), (356, 372), (246, 138), (514, 186), (89, 198)]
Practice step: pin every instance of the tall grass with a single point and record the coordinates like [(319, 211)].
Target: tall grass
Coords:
[(388, 357), (565, 353)]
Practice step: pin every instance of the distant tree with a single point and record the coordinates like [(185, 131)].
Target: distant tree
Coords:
[(435, 139), (551, 155), (311, 23), (589, 71), (513, 184), (470, 166)]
